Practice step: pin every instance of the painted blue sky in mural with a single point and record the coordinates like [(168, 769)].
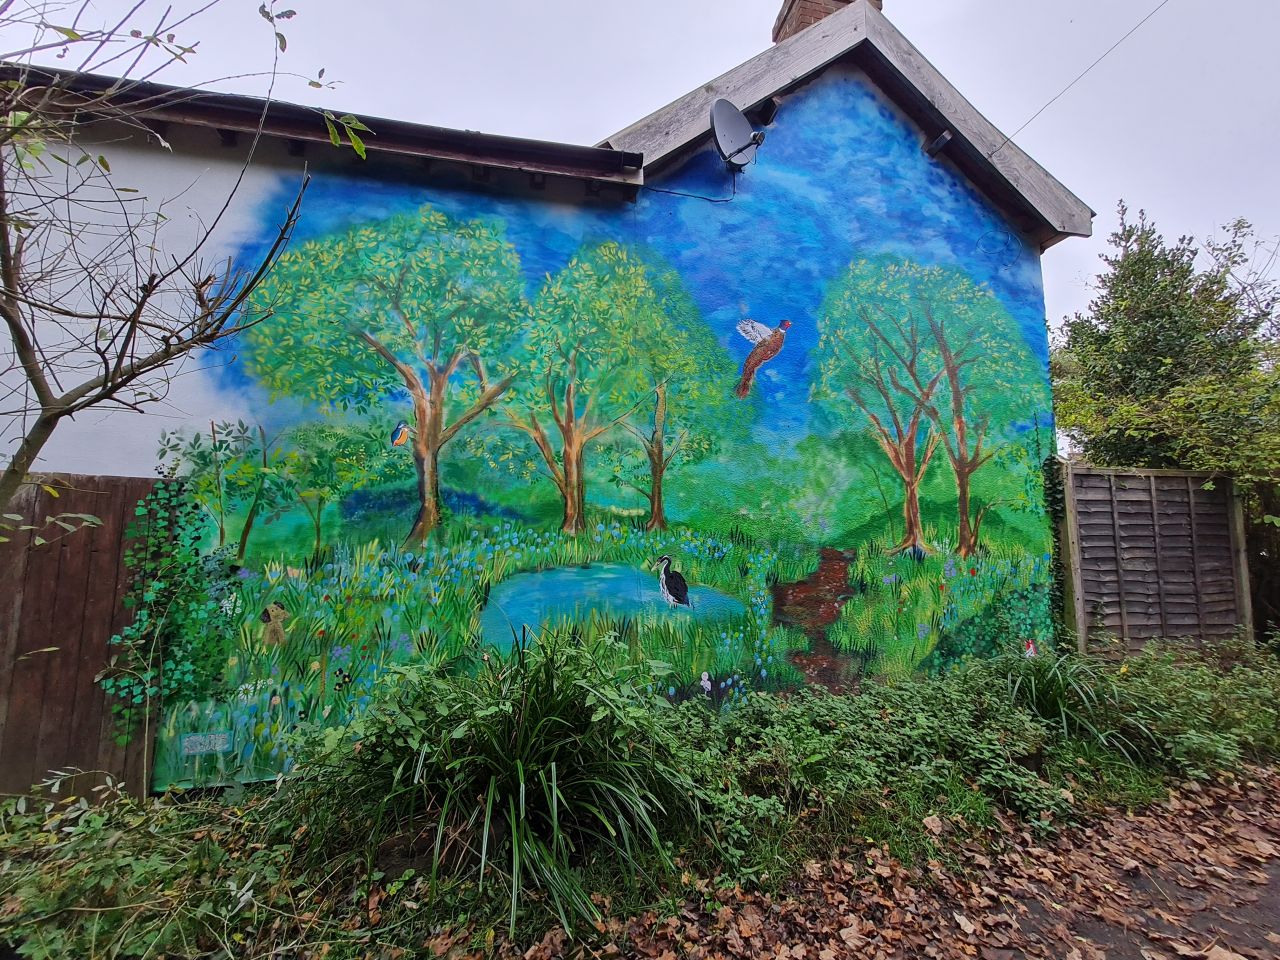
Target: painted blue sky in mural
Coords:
[(841, 176)]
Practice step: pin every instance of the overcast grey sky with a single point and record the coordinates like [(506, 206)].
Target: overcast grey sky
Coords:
[(1181, 120)]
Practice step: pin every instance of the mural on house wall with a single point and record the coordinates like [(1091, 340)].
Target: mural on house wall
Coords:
[(791, 438)]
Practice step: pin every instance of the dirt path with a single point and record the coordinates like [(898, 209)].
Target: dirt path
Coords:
[(1195, 877), (812, 605)]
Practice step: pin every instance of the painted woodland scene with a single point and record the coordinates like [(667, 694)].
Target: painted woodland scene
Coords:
[(761, 447)]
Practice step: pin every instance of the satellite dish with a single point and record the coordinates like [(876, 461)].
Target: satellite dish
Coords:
[(735, 139)]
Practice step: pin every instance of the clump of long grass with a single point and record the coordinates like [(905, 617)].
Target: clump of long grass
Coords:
[(517, 775), (1076, 694)]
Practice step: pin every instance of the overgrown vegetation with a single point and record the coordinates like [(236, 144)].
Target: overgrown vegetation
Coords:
[(1175, 365), (177, 646), (558, 785)]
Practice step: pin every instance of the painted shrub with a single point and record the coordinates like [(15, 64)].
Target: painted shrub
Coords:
[(825, 401)]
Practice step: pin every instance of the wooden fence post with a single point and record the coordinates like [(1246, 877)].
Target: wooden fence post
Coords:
[(1077, 615)]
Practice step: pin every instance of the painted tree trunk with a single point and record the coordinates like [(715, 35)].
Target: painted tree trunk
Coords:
[(217, 479), (902, 455), (426, 463), (656, 449), (317, 521), (657, 508), (573, 490), (967, 538), (255, 506), (912, 527)]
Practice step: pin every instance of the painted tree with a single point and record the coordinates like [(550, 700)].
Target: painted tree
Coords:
[(419, 305), (870, 339), (686, 370), (581, 374), (235, 468), (929, 344), (327, 461)]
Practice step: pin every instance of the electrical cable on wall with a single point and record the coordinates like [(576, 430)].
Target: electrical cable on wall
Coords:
[(698, 196)]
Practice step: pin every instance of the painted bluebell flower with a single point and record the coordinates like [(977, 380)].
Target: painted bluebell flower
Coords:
[(922, 630)]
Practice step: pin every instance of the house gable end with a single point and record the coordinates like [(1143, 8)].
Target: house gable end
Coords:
[(1038, 203)]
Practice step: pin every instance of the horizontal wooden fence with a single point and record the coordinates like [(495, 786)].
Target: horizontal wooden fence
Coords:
[(60, 604), (1154, 553)]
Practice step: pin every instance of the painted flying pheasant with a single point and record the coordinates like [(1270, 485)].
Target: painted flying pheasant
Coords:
[(768, 344)]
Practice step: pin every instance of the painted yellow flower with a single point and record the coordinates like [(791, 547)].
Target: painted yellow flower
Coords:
[(233, 661), (315, 665)]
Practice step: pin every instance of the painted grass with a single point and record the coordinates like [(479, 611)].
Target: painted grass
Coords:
[(908, 604), (364, 609)]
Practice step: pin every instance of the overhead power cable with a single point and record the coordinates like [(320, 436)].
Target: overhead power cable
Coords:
[(1087, 71)]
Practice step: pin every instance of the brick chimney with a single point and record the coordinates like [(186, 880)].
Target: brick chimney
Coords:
[(798, 14)]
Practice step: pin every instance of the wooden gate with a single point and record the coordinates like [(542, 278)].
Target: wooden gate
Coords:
[(60, 604), (1154, 553)]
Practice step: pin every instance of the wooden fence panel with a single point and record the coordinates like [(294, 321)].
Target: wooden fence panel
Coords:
[(60, 604), (1153, 553)]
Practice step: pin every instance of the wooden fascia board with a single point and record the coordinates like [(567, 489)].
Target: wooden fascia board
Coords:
[(1061, 209), (1043, 207), (237, 113), (389, 140)]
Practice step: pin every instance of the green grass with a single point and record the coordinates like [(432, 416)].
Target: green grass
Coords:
[(469, 798)]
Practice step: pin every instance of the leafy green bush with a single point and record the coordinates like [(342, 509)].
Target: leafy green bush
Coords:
[(1191, 712), (817, 770), (519, 774), (1205, 710), (1077, 695), (178, 643), (518, 788), (120, 877)]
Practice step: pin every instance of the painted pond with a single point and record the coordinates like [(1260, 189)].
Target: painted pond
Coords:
[(532, 599)]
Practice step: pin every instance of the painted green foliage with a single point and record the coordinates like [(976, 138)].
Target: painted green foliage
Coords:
[(927, 361), (235, 469), (687, 411), (496, 427), (604, 353), (327, 462), (419, 304)]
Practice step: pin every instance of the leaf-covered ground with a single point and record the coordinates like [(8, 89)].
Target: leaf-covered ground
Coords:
[(1197, 876)]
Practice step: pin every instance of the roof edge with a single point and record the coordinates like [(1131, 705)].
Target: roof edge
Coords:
[(996, 165), (684, 120), (162, 103)]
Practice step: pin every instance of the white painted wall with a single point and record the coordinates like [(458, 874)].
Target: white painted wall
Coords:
[(189, 185)]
